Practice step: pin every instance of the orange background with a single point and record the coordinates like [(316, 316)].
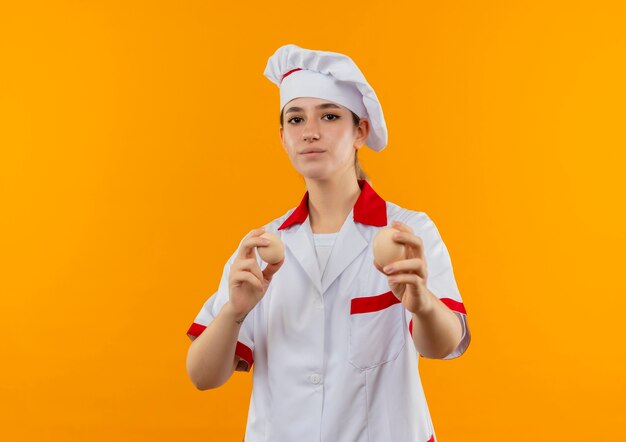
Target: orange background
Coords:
[(139, 144)]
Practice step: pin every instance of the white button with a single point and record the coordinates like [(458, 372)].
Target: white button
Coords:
[(315, 378)]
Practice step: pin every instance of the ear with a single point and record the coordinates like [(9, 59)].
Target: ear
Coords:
[(282, 138), (363, 130)]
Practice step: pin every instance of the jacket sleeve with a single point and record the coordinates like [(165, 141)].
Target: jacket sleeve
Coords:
[(440, 280), (210, 309)]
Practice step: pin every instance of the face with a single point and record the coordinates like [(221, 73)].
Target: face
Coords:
[(320, 138)]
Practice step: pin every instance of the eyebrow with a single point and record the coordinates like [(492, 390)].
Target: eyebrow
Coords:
[(319, 106)]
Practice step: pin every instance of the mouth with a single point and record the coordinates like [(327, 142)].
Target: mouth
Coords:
[(311, 151)]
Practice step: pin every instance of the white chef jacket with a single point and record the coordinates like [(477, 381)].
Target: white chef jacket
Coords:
[(333, 355)]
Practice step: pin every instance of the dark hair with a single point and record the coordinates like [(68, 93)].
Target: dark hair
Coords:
[(360, 173)]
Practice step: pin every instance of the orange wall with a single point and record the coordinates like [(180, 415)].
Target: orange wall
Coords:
[(139, 144)]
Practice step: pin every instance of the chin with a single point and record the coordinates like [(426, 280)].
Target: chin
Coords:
[(314, 172), (314, 176)]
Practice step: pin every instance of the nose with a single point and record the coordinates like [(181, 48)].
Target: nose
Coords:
[(310, 131)]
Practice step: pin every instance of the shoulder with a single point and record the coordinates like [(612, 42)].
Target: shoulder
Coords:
[(273, 225), (414, 218), (421, 223)]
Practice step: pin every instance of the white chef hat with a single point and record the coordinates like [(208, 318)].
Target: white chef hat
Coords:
[(331, 76)]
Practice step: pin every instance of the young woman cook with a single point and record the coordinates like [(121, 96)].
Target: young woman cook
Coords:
[(333, 337)]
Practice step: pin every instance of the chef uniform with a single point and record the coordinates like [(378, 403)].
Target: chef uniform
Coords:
[(331, 345)]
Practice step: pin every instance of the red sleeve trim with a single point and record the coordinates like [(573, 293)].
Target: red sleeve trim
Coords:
[(195, 330), (370, 304), (450, 303), (245, 353), (454, 305), (432, 438), (242, 350)]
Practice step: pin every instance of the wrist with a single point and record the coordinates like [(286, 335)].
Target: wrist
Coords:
[(232, 314), (426, 306)]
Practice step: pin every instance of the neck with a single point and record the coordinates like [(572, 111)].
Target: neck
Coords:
[(330, 202)]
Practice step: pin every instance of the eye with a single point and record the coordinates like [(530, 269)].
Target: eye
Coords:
[(333, 118)]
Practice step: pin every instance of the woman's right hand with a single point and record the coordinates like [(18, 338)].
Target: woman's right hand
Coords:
[(247, 283)]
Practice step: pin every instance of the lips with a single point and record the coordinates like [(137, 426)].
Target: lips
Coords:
[(313, 150)]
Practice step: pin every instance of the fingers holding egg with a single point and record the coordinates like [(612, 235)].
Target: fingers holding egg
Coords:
[(398, 251), (274, 252), (414, 244), (386, 250), (250, 241)]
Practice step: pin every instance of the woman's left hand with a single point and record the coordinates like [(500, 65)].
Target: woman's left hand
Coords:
[(407, 277)]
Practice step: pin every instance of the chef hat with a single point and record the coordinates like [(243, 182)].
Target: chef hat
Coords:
[(331, 76)]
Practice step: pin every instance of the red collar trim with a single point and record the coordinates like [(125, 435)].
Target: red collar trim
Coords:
[(369, 208)]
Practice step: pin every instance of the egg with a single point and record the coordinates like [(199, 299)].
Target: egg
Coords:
[(273, 252), (385, 249)]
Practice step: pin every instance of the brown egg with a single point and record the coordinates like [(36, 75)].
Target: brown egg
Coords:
[(386, 250), (273, 252)]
